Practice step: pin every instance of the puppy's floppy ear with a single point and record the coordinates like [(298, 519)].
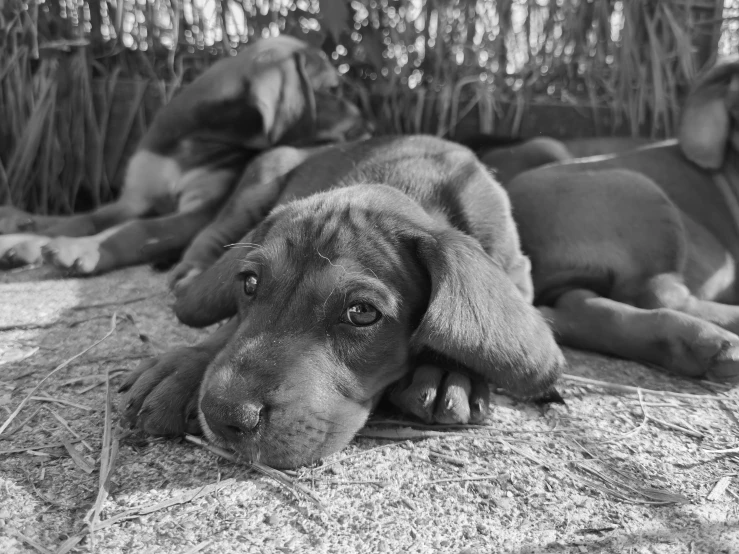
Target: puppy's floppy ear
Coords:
[(705, 121), (284, 94), (477, 317), (211, 296)]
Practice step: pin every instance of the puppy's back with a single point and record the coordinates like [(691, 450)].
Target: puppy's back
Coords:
[(421, 166), (444, 178)]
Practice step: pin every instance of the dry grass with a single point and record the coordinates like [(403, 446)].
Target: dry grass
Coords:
[(637, 461), (61, 366)]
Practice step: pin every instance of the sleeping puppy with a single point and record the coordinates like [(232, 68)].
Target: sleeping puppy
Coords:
[(636, 254), (392, 260), (510, 156), (276, 91)]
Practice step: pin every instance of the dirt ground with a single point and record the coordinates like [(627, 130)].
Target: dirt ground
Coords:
[(616, 470)]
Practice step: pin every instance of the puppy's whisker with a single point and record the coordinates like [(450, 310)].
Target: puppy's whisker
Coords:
[(243, 245)]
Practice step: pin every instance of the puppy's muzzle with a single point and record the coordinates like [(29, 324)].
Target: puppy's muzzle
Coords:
[(231, 420)]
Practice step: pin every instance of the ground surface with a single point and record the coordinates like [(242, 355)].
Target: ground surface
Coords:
[(595, 476)]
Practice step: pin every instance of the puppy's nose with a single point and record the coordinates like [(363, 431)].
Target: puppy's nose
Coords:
[(231, 420)]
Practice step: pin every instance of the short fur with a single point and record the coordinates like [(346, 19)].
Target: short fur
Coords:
[(414, 226), (635, 254)]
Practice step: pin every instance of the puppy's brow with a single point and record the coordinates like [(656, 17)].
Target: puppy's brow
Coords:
[(255, 257)]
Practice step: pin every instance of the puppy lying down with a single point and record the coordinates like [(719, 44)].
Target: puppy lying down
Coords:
[(388, 261)]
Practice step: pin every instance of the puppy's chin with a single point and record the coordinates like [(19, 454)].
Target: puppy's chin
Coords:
[(289, 439)]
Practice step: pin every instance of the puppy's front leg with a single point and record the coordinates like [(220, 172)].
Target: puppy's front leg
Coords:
[(21, 249), (18, 249), (135, 242), (438, 396), (161, 395)]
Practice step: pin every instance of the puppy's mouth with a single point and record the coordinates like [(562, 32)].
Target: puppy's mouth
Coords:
[(247, 451), (285, 439)]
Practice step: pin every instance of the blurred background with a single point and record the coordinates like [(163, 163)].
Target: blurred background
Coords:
[(81, 79)]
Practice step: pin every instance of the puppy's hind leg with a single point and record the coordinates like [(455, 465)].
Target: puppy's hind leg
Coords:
[(679, 342), (669, 291), (707, 274), (608, 249)]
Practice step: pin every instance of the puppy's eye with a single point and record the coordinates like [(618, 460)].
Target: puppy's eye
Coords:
[(250, 283), (361, 315)]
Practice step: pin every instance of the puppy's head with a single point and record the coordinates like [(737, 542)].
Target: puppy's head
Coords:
[(294, 86), (256, 99), (336, 295)]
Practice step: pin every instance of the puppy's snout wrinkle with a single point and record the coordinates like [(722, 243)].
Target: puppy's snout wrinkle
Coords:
[(231, 419)]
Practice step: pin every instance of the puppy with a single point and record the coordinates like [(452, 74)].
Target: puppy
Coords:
[(635, 254), (392, 260), (186, 165)]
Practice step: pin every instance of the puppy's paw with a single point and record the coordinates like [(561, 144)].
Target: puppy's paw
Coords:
[(79, 255), (723, 361), (161, 395), (696, 348), (13, 220), (182, 275), (438, 396), (20, 249)]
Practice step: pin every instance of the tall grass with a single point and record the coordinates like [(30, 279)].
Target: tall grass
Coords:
[(63, 134), (79, 82), (636, 58)]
